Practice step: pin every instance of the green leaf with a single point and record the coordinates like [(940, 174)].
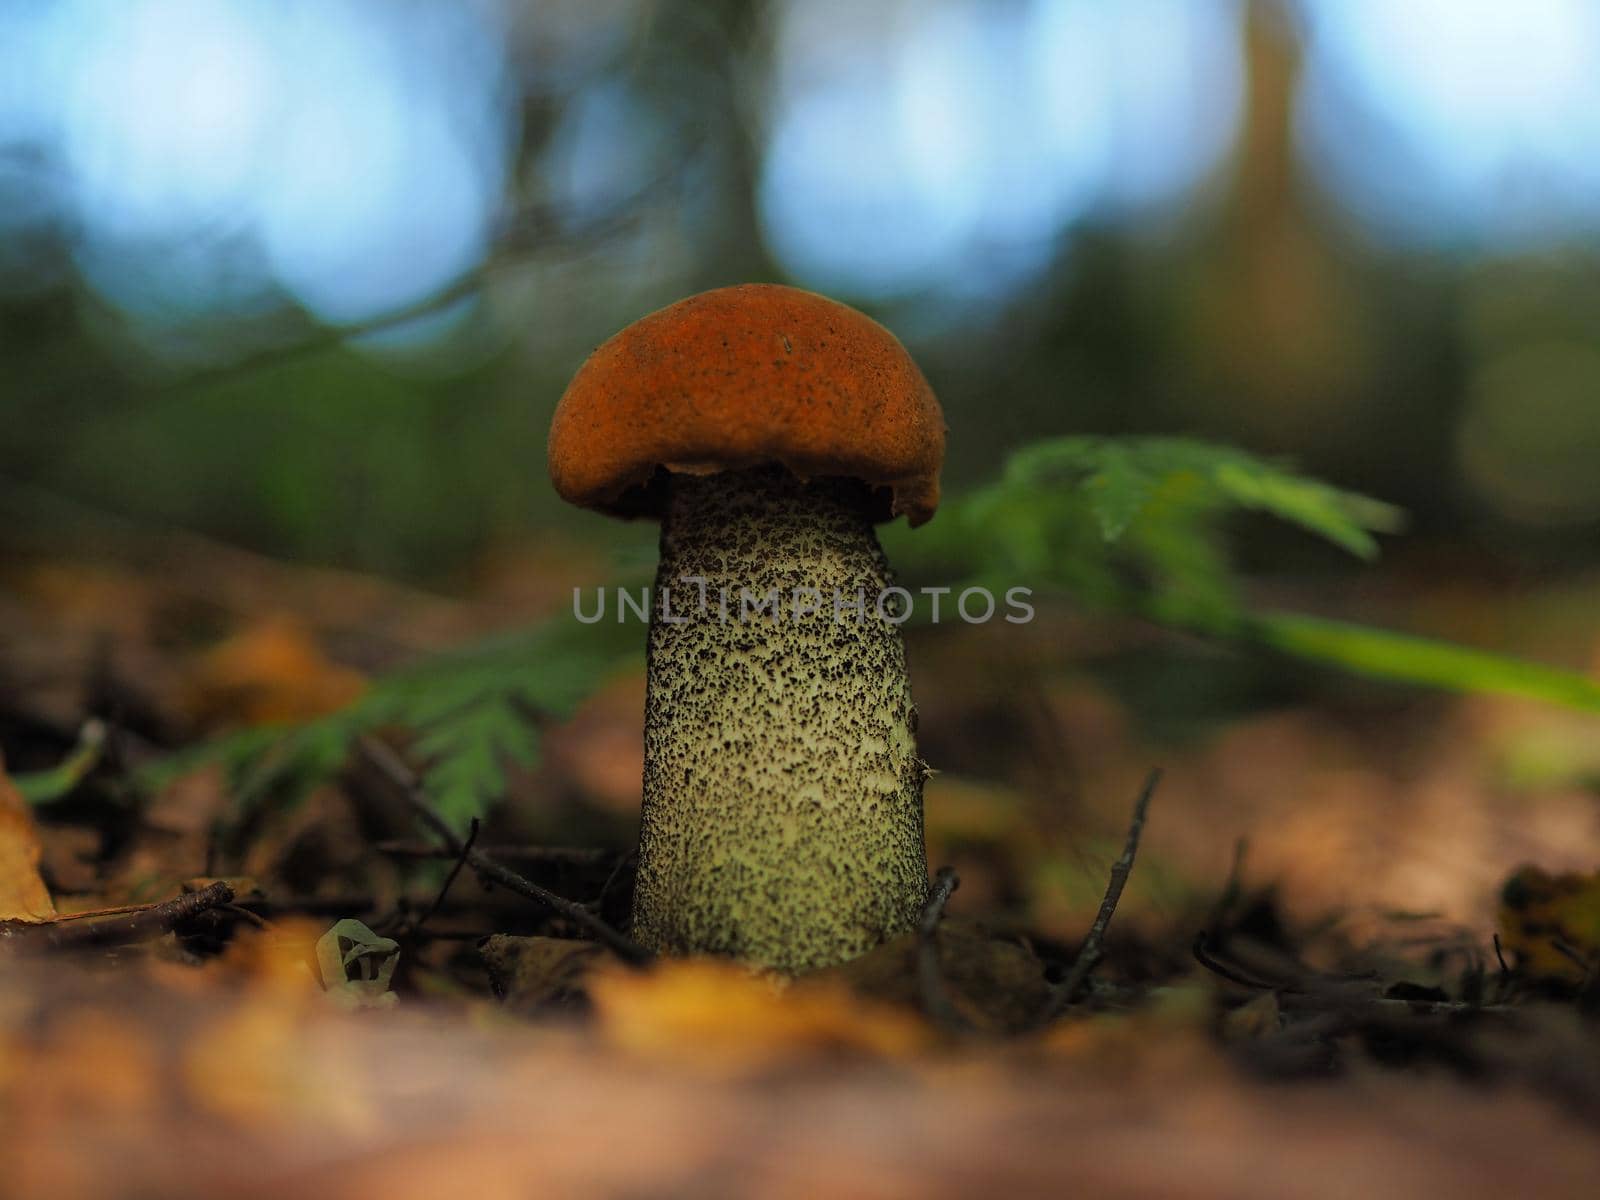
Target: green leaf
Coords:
[(48, 786), (466, 758), (1119, 477), (1403, 658), (1119, 490), (1134, 524), (1341, 517)]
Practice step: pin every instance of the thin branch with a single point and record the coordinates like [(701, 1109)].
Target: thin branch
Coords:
[(525, 232), (563, 856), (398, 773), (449, 880), (140, 925), (245, 914), (315, 338), (1233, 888), (936, 1000), (1201, 949), (1094, 943), (623, 862), (1350, 997)]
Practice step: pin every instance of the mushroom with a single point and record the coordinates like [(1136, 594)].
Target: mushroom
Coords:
[(768, 429)]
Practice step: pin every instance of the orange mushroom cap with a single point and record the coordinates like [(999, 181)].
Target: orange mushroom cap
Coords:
[(743, 376)]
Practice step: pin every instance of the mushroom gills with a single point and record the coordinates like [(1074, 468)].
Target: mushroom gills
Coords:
[(782, 819)]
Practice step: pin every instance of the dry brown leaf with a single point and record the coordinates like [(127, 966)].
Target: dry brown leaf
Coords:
[(271, 671), (71, 858), (534, 974), (720, 1016), (23, 894), (280, 961), (996, 985)]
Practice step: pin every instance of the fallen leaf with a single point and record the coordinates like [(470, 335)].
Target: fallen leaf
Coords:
[(723, 1017), (1551, 924), (71, 857), (280, 961), (534, 974), (996, 985), (23, 895), (272, 671)]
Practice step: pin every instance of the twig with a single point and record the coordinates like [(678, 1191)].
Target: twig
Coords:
[(449, 880), (1233, 974), (532, 229), (1233, 887), (1353, 997), (1571, 953), (334, 905), (566, 856), (1388, 1007), (141, 925), (1094, 943), (398, 773), (936, 1000), (91, 914), (617, 868), (245, 914)]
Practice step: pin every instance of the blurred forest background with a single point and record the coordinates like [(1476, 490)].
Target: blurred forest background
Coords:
[(309, 277)]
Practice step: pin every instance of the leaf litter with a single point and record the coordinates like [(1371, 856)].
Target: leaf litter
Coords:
[(369, 1010)]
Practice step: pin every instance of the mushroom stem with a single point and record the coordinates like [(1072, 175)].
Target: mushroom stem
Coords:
[(782, 789)]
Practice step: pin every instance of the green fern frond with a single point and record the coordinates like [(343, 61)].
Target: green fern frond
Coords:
[(470, 712), (1121, 478), (1134, 524)]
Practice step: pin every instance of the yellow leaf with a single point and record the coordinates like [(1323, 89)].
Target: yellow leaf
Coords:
[(1551, 924), (721, 1016), (22, 892)]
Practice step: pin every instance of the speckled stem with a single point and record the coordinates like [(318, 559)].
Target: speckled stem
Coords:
[(782, 787)]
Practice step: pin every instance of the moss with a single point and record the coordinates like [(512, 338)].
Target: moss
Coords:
[(782, 789)]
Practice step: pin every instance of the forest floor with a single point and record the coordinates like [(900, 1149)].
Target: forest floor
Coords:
[(1358, 951)]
